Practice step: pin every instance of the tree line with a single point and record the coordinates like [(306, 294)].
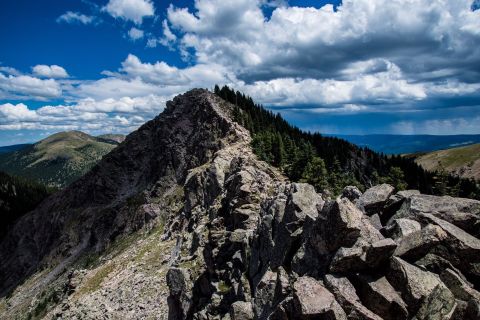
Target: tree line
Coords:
[(330, 163), (17, 197)]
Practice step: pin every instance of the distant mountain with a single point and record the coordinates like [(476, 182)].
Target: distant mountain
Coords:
[(59, 159), (461, 161), (118, 138), (402, 144), (15, 147)]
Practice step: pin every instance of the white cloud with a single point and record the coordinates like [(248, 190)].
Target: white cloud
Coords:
[(416, 35), (109, 115), (52, 71), (133, 10), (160, 73), (27, 87), (75, 17), (135, 33), (16, 112)]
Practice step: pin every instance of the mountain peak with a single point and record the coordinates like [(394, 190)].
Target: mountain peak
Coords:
[(149, 164)]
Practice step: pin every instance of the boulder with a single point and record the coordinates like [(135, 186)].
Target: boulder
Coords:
[(375, 221), (358, 258), (264, 295), (414, 284), (460, 288), (378, 295), (400, 228), (313, 301), (440, 304), (180, 299), (241, 310), (302, 203), (374, 199), (418, 243), (346, 295), (351, 193), (464, 213), (395, 202)]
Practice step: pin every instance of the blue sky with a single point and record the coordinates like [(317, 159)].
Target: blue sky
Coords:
[(356, 67)]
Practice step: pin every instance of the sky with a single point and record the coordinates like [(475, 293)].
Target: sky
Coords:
[(337, 67)]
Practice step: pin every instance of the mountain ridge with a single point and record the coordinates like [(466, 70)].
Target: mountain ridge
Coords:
[(184, 221)]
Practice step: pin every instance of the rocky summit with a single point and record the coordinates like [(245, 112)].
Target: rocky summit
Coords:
[(182, 221)]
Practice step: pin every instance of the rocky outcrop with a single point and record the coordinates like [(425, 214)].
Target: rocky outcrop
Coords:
[(238, 240)]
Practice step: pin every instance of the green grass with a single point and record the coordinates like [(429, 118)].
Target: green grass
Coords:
[(92, 284), (450, 159)]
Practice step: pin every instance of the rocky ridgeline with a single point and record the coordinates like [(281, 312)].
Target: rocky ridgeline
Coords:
[(237, 240), (270, 249)]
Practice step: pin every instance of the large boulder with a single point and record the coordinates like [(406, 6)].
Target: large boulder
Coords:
[(460, 288), (400, 228), (374, 199), (302, 203), (418, 243), (440, 304), (378, 295), (347, 297), (414, 284), (241, 310), (313, 301), (464, 213)]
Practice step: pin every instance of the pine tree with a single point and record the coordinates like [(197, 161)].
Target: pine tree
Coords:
[(316, 174)]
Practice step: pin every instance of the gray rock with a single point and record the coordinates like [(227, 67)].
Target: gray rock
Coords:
[(440, 304), (460, 288), (313, 300), (464, 213), (401, 227), (180, 299), (378, 295), (414, 284), (265, 294), (375, 221), (374, 199), (346, 295), (418, 243), (241, 310)]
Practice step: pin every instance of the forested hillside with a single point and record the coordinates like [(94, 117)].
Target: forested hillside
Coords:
[(59, 159), (17, 197), (331, 163)]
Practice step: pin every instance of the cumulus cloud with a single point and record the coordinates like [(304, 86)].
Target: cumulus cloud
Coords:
[(419, 36), (109, 115), (52, 71), (75, 17), (133, 10), (135, 34), (27, 87)]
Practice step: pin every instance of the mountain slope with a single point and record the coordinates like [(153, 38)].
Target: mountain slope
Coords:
[(183, 221), (17, 197), (461, 161), (57, 160)]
